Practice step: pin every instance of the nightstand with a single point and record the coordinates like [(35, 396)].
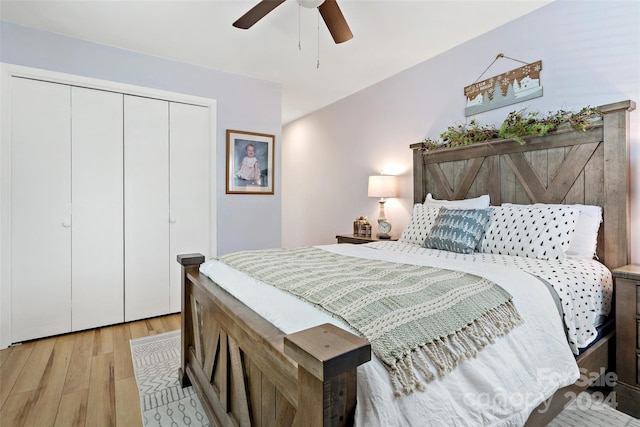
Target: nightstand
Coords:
[(627, 290), (351, 238)]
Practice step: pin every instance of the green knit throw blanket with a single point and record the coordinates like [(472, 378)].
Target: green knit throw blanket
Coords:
[(409, 313)]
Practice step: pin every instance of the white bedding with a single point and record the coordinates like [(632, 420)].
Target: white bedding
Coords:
[(499, 387)]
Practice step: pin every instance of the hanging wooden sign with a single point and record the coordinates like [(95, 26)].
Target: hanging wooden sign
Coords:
[(508, 88)]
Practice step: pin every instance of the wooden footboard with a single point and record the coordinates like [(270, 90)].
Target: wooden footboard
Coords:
[(249, 373)]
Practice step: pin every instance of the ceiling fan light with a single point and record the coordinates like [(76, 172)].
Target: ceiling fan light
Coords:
[(310, 4)]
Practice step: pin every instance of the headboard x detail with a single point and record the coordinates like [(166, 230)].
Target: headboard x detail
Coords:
[(564, 167)]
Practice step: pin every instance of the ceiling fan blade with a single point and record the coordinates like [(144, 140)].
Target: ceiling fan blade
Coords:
[(335, 21), (256, 13)]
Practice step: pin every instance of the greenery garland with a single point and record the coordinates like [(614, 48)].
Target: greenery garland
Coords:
[(516, 126)]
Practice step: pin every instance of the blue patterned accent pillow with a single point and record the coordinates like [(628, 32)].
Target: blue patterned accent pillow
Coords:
[(457, 230)]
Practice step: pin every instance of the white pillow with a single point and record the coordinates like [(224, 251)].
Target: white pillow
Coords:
[(585, 239), (481, 202), (422, 219), (542, 232)]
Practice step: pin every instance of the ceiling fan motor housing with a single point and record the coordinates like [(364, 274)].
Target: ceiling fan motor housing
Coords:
[(310, 4)]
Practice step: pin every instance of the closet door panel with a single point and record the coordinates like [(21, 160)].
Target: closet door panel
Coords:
[(40, 209), (97, 196), (189, 189), (146, 219)]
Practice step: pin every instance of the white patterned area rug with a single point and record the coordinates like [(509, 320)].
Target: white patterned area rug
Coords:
[(163, 401), (156, 360), (593, 410)]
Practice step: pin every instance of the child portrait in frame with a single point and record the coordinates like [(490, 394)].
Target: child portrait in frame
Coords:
[(249, 163)]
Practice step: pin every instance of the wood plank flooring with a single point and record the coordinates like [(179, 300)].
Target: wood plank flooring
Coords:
[(79, 379)]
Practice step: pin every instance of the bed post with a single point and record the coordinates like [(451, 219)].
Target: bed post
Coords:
[(419, 172), (327, 358), (616, 182), (190, 263)]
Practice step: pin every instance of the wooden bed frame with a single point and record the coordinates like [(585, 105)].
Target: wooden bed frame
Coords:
[(248, 372)]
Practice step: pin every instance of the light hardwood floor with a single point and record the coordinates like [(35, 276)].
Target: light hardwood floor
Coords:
[(78, 379)]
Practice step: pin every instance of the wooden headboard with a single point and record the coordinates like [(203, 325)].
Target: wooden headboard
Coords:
[(564, 166)]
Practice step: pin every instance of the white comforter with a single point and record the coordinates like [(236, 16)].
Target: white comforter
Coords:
[(501, 386)]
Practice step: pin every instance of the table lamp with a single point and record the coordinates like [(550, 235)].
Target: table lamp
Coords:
[(383, 186)]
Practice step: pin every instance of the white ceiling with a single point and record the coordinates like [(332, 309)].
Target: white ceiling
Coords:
[(389, 36)]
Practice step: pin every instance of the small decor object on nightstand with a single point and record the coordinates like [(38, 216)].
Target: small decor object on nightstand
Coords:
[(384, 227), (362, 226), (382, 186)]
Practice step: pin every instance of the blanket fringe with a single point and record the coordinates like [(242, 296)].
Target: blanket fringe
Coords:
[(446, 352)]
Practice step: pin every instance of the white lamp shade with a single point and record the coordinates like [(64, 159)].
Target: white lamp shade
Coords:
[(383, 186)]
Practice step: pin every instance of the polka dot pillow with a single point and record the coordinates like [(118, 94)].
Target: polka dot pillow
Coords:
[(421, 221), (528, 231)]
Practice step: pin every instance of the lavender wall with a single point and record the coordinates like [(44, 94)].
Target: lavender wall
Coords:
[(590, 53), (244, 222)]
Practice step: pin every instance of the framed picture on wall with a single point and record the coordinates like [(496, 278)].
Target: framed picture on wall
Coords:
[(249, 162)]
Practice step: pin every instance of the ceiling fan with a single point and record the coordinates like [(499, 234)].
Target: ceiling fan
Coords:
[(329, 10)]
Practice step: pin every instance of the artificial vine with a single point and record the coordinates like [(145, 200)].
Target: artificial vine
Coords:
[(516, 126)]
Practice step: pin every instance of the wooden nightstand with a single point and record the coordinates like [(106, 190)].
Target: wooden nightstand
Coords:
[(350, 238), (628, 338)]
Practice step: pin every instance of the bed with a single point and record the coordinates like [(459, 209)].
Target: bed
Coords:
[(247, 371)]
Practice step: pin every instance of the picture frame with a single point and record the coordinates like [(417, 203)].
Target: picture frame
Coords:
[(250, 162)]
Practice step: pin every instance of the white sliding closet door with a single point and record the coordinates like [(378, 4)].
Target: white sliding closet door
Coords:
[(97, 235), (190, 188), (146, 207), (40, 209)]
